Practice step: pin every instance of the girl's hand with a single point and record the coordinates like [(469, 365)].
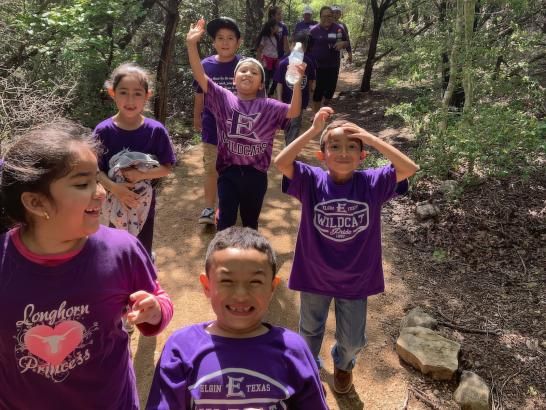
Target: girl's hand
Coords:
[(321, 117), (122, 191), (145, 309), (133, 175), (196, 32), (360, 133)]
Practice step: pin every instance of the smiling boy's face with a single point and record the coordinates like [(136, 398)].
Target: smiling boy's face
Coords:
[(240, 286), (226, 44), (248, 79)]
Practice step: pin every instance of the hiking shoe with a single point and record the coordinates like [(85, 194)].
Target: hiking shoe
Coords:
[(207, 216), (343, 381)]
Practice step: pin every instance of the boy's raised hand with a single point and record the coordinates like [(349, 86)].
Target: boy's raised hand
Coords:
[(360, 133), (321, 117), (195, 32)]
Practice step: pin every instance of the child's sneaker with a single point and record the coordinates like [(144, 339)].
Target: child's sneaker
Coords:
[(207, 216), (343, 381)]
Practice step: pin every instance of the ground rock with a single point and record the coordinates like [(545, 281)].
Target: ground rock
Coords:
[(426, 211), (418, 317), (472, 393), (428, 352), (448, 186)]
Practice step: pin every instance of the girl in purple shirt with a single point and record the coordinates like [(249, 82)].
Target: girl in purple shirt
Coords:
[(129, 87), (65, 281)]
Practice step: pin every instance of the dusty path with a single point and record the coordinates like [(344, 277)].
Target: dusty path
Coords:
[(180, 244)]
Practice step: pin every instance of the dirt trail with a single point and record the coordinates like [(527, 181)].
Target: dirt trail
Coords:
[(180, 244)]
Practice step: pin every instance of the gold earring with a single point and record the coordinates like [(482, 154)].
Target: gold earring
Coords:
[(46, 216)]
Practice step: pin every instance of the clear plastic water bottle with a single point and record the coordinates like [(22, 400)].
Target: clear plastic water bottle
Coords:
[(295, 58)]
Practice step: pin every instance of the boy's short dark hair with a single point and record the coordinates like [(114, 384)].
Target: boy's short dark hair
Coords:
[(240, 238), (329, 128), (223, 22), (302, 37)]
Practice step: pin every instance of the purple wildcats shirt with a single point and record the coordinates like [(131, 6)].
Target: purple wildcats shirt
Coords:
[(323, 43), (222, 74), (199, 371), (246, 128), (62, 344), (338, 249), (310, 75)]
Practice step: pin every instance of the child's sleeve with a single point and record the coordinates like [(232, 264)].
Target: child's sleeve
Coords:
[(169, 385), (216, 98), (299, 185), (383, 185), (310, 393), (164, 147)]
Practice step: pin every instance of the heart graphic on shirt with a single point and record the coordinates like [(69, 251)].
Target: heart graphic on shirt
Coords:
[(53, 344)]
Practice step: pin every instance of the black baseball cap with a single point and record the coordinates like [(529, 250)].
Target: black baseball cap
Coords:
[(223, 22)]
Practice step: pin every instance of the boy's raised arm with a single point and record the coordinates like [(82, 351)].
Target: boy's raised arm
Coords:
[(295, 103), (285, 160), (192, 39), (404, 166)]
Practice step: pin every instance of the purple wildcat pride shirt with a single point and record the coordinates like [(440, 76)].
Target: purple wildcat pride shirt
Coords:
[(246, 128), (338, 249)]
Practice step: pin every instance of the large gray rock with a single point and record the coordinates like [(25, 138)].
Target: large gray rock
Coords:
[(473, 392), (428, 352), (418, 317), (426, 211)]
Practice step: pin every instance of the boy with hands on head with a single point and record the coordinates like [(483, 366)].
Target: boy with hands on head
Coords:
[(338, 249), (237, 361), (246, 125)]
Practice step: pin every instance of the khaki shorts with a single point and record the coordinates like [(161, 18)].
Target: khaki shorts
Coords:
[(209, 158)]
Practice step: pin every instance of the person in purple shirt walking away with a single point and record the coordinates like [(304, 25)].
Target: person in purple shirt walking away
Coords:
[(338, 249), (307, 22), (327, 40), (65, 280), (220, 68), (237, 361), (247, 123), (130, 88), (284, 90)]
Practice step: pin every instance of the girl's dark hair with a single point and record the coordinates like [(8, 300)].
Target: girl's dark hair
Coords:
[(36, 159), (265, 31), (240, 238), (129, 69), (272, 11), (324, 8)]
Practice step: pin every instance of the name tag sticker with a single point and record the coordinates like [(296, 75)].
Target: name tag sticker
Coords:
[(332, 35)]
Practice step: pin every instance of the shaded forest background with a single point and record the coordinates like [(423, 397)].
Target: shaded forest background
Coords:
[(478, 68)]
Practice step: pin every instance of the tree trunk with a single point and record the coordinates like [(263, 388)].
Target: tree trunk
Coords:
[(454, 64), (469, 14), (378, 15), (172, 19), (253, 21)]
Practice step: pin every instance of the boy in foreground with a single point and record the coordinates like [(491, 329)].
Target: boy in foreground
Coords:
[(237, 361), (338, 249)]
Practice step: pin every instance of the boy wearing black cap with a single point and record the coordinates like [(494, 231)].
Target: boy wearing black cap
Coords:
[(220, 67)]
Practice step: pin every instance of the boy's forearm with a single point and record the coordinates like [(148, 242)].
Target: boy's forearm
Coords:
[(404, 165), (106, 182), (196, 67), (159, 172), (284, 162), (295, 102), (198, 104)]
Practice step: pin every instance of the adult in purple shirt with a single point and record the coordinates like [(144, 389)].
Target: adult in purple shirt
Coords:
[(327, 39), (337, 19), (307, 22)]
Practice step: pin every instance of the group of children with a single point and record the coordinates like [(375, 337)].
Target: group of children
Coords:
[(66, 281)]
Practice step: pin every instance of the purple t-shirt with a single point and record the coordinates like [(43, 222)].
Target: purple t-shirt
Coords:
[(222, 74), (281, 34), (150, 138), (199, 371), (310, 75), (62, 344), (323, 42), (304, 26), (338, 249), (246, 128)]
